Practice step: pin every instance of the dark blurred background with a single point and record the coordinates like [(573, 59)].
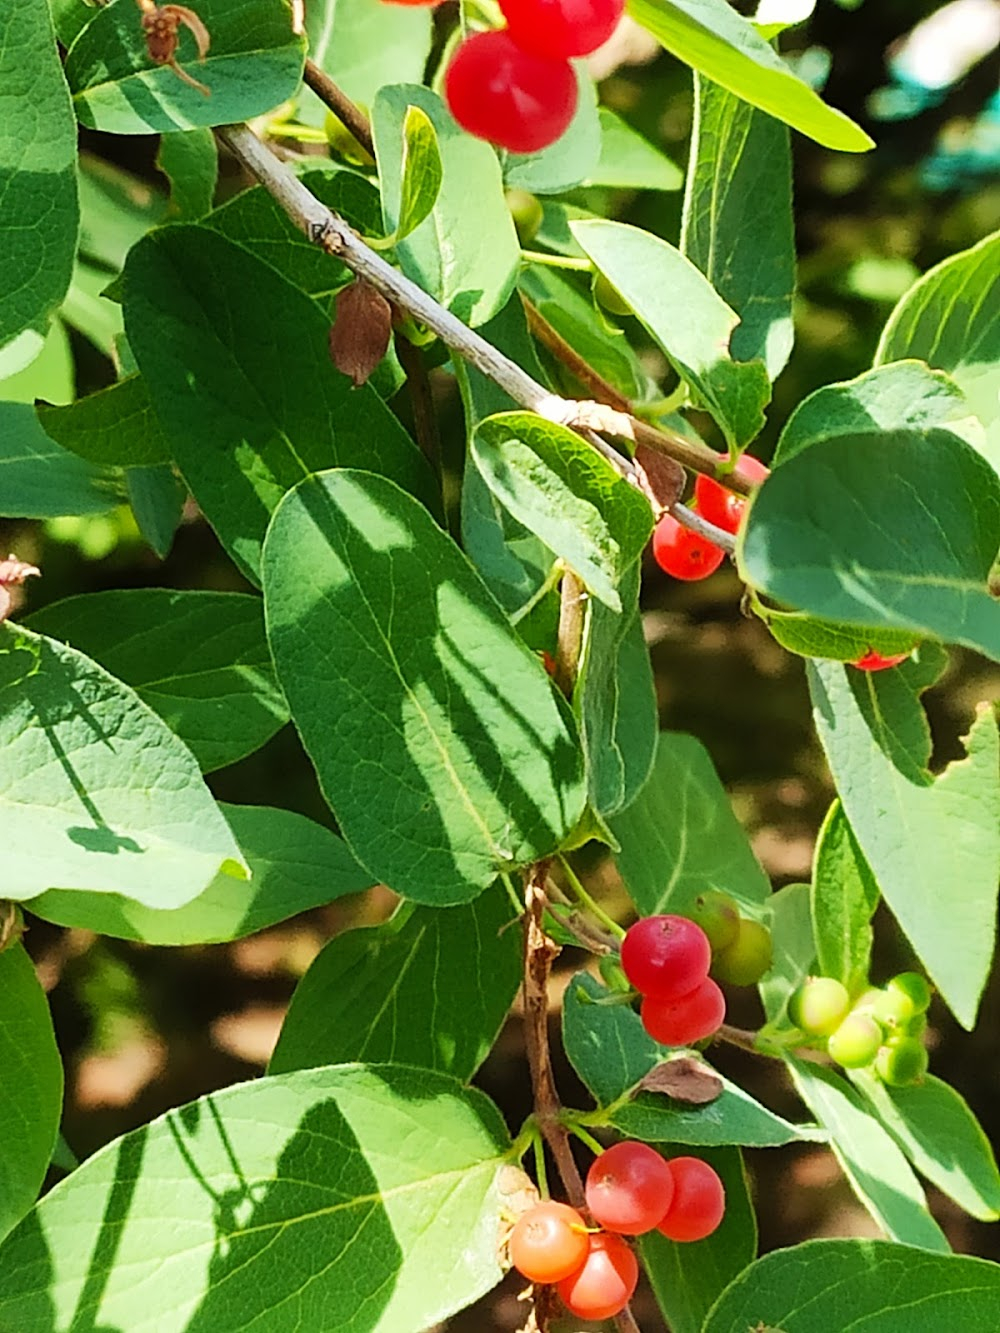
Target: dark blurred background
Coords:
[(143, 1029)]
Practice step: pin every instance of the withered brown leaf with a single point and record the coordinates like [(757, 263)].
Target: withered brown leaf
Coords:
[(685, 1080), (362, 327)]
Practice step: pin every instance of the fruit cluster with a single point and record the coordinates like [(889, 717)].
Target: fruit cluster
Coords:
[(741, 947), (883, 1029), (667, 958), (515, 87), (683, 553), (630, 1190)]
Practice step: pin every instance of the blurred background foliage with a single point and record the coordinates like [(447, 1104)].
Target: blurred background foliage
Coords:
[(143, 1029)]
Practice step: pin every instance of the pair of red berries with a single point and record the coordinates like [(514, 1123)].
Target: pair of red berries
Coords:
[(683, 553), (516, 87), (666, 958), (630, 1190)]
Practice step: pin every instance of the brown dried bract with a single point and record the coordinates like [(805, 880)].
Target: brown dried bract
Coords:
[(685, 1080), (162, 24), (660, 478), (362, 327), (13, 572)]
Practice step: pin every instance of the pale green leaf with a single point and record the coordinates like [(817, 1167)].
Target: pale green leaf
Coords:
[(50, 376), (421, 172), (845, 895), (571, 159), (630, 162)]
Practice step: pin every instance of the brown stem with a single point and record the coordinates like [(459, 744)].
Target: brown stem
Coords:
[(625, 1323), (418, 385), (553, 341), (569, 641), (340, 104), (539, 951)]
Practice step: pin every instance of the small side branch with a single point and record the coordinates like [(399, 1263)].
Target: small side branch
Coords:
[(340, 104)]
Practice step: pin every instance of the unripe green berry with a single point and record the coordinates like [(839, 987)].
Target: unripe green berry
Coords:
[(856, 1042), (527, 212), (914, 987), (902, 1060), (892, 1008), (916, 1027), (819, 1006), (745, 961), (607, 296), (719, 917)]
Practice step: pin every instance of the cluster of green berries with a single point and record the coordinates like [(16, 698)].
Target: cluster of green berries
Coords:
[(741, 947), (630, 1190), (515, 87), (883, 1029)]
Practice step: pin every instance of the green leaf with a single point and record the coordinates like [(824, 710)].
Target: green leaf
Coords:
[(88, 310), (950, 318), (190, 162), (657, 280), (934, 1126), (254, 62), (115, 426), (98, 793), (459, 966), (615, 702), (70, 18), (845, 895), (465, 253), (295, 865), (827, 1286), (363, 47), (560, 488), (680, 836), (933, 843), (39, 479), (421, 172), (793, 952), (630, 162), (439, 742), (206, 320), (157, 497), (611, 1051), (198, 659), (31, 1089), (903, 395), (711, 37), (51, 375), (116, 209), (808, 636), (737, 224), (687, 1278), (574, 155), (275, 1181), (833, 533), (876, 1169), (40, 217)]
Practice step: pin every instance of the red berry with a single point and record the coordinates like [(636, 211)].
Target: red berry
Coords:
[(724, 507), (604, 1285), (561, 29), (549, 1242), (873, 661), (687, 1020), (629, 1188), (699, 1200), (514, 99), (666, 956), (682, 553)]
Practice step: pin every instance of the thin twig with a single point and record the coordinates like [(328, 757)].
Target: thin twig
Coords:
[(716, 535), (418, 386), (340, 104), (582, 371)]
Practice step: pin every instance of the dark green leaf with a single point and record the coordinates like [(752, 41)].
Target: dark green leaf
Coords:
[(198, 659), (439, 741), (275, 1181), (99, 794), (738, 220), (207, 321), (933, 844), (294, 865), (254, 62), (459, 966), (39, 479), (157, 497), (115, 426), (808, 636), (31, 1088), (190, 161), (845, 895), (573, 156)]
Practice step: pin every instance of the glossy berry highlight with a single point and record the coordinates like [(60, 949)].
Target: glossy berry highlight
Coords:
[(561, 29), (721, 506), (684, 1021), (605, 1283), (699, 1202), (629, 1188), (516, 100), (549, 1242), (682, 553), (666, 956)]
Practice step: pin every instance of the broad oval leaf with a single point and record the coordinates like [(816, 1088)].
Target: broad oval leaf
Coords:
[(711, 37), (439, 742), (198, 659), (254, 62), (844, 896), (273, 1182), (95, 791), (657, 280), (561, 489), (31, 1089), (242, 434), (294, 865), (460, 966), (835, 533), (41, 479), (826, 1286), (40, 215)]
